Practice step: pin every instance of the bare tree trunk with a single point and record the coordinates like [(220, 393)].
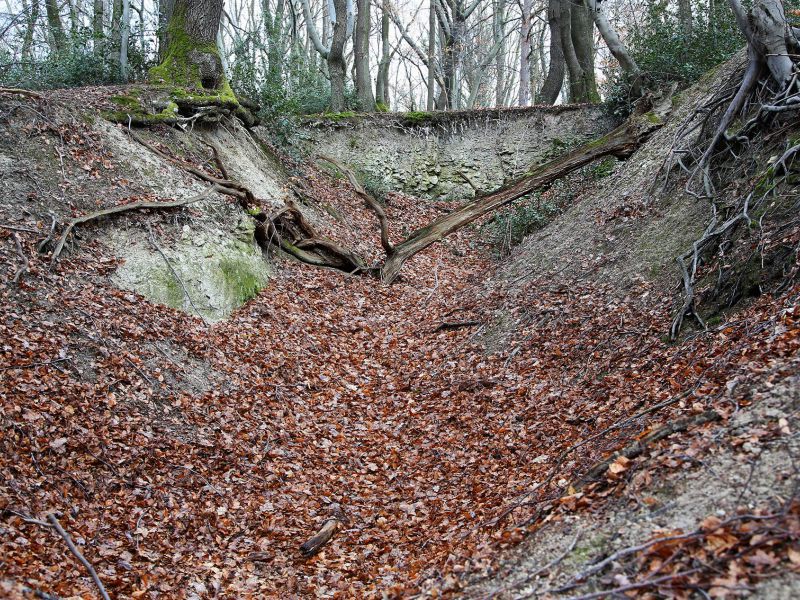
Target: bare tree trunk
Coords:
[(558, 66), (33, 19), (382, 82), (361, 58), (585, 84), (525, 54), (617, 48), (165, 8), (191, 56), (498, 29), (337, 67), (685, 16), (56, 29), (97, 26), (430, 104), (124, 35)]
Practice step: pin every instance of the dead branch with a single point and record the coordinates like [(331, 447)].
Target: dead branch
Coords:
[(25, 263), (21, 92), (370, 201), (115, 210), (15, 228), (637, 448), (621, 142), (523, 498), (451, 325), (77, 553), (326, 532)]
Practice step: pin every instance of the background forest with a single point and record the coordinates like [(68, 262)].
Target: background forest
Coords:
[(399, 55)]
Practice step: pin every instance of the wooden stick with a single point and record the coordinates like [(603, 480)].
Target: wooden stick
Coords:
[(29, 93), (322, 537), (25, 264), (125, 208), (77, 553)]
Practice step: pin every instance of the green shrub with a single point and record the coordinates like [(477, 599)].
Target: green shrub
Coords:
[(76, 66), (511, 226), (666, 54)]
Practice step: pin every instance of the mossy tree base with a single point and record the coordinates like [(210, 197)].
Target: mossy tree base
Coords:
[(147, 106)]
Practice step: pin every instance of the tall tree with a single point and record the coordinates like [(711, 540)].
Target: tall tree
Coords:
[(583, 83), (30, 27), (525, 50), (382, 81), (363, 78), (58, 38), (337, 65), (557, 67), (191, 56), (98, 32)]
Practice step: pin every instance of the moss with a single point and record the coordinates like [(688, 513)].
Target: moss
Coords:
[(381, 107), (340, 116), (653, 118), (604, 168), (417, 117), (239, 279), (128, 101), (141, 117)]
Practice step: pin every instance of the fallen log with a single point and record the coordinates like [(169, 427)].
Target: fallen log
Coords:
[(621, 142), (638, 447)]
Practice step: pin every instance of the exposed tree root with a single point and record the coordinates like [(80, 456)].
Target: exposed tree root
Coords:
[(767, 87), (115, 210), (371, 202)]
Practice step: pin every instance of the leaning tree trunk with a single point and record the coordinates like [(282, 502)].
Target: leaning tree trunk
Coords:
[(621, 142), (558, 66), (617, 48), (191, 57)]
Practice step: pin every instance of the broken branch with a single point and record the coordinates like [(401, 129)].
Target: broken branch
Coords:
[(77, 553)]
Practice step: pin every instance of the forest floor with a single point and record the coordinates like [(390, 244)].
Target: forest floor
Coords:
[(448, 415)]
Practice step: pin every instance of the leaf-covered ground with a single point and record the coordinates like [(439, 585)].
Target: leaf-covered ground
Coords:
[(189, 460)]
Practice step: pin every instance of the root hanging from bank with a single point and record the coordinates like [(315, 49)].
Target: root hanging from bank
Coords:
[(762, 97)]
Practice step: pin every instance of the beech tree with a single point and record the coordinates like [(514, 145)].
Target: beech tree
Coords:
[(191, 56)]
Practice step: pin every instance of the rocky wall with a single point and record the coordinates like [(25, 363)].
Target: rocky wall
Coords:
[(450, 155)]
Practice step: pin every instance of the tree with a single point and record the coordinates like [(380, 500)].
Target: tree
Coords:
[(525, 50), (363, 79), (191, 57), (58, 38), (554, 80)]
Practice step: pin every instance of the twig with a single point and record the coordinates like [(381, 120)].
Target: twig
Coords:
[(15, 228), (41, 246), (34, 364), (125, 208), (451, 325), (174, 274), (21, 92), (25, 263), (71, 545)]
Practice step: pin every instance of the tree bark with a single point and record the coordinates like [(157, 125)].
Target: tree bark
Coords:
[(584, 85), (382, 82), (431, 100), (27, 40), (191, 56), (617, 48), (366, 100), (557, 67), (56, 29), (97, 27), (525, 54), (124, 36), (685, 16), (337, 66)]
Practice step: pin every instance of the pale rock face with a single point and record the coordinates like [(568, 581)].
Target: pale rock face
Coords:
[(453, 156)]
